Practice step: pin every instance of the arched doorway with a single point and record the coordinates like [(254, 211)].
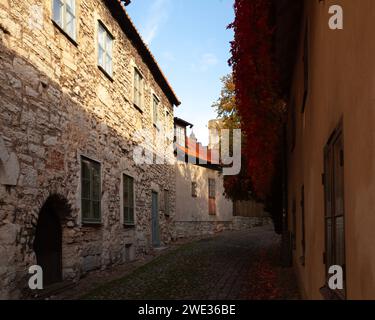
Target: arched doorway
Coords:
[(48, 239)]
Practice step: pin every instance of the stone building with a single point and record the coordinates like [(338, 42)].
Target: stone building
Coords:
[(79, 92), (201, 207)]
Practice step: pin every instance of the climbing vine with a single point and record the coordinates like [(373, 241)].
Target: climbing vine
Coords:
[(257, 93)]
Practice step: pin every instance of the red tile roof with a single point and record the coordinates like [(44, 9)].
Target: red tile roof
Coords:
[(195, 150)]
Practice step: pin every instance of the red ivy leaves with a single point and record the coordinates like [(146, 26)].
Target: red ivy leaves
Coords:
[(256, 90)]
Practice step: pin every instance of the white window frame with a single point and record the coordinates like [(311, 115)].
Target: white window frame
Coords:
[(103, 47), (177, 135), (155, 119), (141, 88), (64, 7)]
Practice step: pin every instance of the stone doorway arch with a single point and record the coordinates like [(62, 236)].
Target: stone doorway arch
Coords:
[(48, 238)]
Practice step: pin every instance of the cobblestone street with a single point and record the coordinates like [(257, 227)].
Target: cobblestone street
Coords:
[(232, 265)]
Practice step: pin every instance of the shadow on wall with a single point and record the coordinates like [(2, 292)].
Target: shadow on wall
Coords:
[(48, 130)]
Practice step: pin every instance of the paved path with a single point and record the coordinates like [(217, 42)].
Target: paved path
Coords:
[(233, 265)]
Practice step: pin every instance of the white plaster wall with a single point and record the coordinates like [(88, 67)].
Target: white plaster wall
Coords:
[(189, 208)]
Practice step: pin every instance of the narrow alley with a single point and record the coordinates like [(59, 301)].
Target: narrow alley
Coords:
[(232, 265)]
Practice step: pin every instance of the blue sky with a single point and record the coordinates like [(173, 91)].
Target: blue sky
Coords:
[(190, 41)]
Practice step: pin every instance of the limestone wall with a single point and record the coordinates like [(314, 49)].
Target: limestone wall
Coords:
[(55, 106)]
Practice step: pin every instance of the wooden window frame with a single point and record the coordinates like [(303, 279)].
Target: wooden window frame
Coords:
[(330, 182)]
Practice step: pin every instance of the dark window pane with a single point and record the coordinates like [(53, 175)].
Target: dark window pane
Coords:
[(85, 209), (85, 170), (90, 193), (131, 192), (339, 183), (339, 241), (128, 199), (131, 215), (128, 215), (86, 189), (96, 210), (96, 187), (329, 251)]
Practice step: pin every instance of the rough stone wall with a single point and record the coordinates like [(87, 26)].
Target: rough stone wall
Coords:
[(187, 229), (245, 223), (55, 106)]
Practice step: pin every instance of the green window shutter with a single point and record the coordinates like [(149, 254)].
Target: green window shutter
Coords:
[(128, 199), (90, 191)]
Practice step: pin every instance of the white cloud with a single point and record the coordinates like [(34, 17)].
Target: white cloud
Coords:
[(168, 56), (206, 61), (157, 15), (209, 59)]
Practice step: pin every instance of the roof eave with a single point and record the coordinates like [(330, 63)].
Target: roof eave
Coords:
[(119, 13)]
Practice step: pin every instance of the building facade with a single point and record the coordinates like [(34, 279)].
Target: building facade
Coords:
[(79, 92), (201, 206), (331, 176)]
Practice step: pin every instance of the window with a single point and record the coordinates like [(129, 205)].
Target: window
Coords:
[(128, 199), (90, 191), (334, 203), (211, 197), (105, 43), (194, 191), (166, 203), (180, 136), (138, 89), (64, 16), (155, 107)]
